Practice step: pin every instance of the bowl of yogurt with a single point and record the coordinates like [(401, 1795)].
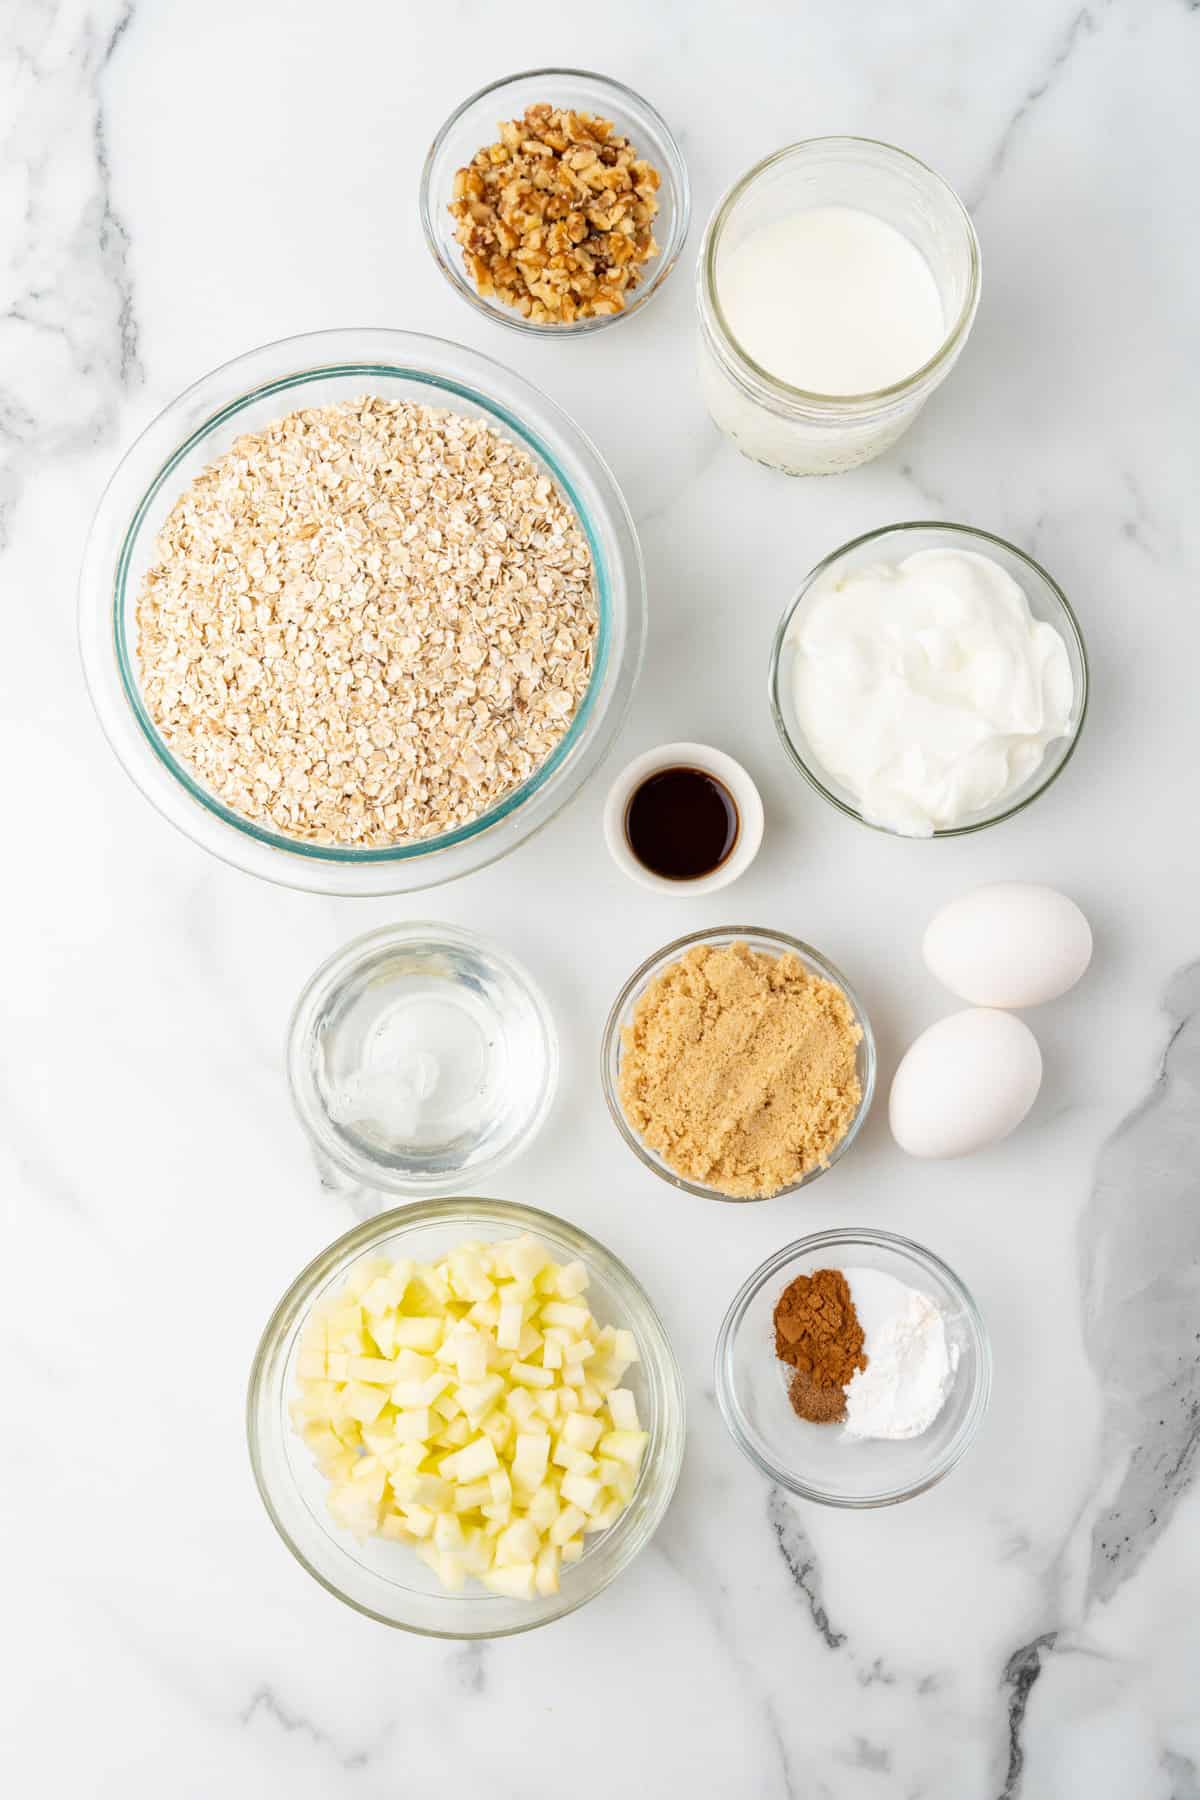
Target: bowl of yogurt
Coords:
[(929, 679), (913, 1387)]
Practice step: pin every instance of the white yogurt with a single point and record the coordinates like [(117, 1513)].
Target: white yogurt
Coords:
[(927, 688), (832, 299), (910, 1361)]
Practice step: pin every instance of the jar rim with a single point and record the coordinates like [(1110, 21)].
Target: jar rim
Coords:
[(783, 390)]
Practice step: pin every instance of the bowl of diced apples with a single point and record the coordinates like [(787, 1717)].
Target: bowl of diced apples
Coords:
[(465, 1418)]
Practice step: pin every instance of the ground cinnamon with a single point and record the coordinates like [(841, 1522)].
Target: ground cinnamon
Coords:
[(817, 1333)]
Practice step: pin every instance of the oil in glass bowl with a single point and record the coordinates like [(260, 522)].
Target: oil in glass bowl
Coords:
[(418, 1054)]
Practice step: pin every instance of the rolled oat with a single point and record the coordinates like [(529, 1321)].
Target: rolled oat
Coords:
[(367, 623)]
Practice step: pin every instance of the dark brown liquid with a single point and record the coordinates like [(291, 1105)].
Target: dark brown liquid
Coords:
[(681, 823)]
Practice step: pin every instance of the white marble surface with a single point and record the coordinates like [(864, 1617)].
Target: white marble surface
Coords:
[(181, 181)]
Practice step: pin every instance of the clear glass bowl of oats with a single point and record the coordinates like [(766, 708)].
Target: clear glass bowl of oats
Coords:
[(360, 611), (541, 299)]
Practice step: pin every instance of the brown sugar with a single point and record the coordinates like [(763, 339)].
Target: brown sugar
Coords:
[(739, 1068)]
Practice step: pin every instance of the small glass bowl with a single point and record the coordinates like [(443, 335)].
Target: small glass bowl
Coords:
[(890, 543), (474, 124), (386, 1580), (820, 1462), (420, 1056), (772, 943), (246, 395)]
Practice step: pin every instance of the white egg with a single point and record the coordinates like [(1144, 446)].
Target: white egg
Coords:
[(1012, 943), (966, 1082)]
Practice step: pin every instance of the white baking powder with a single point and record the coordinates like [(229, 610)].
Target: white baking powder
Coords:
[(910, 1362)]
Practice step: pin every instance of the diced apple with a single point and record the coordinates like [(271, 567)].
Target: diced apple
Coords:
[(418, 1334), (547, 1401), (530, 1456), (526, 1375), (543, 1507), (412, 1489), (472, 1461), (469, 1495), (477, 1399), (569, 1522), (365, 1403), (605, 1515), (517, 1543), (525, 1257), (519, 1405), (546, 1569), (459, 1406), (622, 1407), (624, 1446), (584, 1491), (414, 1426), (510, 1324), (447, 1532), (517, 1581), (500, 1428), (575, 1462), (420, 1520), (574, 1319), (582, 1432)]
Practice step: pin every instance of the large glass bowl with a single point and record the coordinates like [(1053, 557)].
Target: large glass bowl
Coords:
[(821, 1462), (473, 124), (386, 1580), (769, 943), (890, 544), (245, 395)]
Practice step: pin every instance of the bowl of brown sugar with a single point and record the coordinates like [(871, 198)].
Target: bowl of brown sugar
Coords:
[(738, 1063)]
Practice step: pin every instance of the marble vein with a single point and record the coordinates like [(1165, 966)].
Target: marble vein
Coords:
[(1139, 1263), (265, 1703), (68, 328), (1082, 25), (800, 1559)]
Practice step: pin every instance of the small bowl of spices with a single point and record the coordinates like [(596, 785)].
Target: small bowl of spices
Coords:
[(555, 201), (683, 818), (853, 1368), (738, 1064)]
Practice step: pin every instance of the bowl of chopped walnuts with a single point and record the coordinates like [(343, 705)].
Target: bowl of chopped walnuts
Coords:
[(360, 611), (555, 201)]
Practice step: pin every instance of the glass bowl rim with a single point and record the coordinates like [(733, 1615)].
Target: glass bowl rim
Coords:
[(909, 1251), (342, 855), (667, 1465), (950, 527), (610, 1046), (334, 971), (668, 254), (951, 342)]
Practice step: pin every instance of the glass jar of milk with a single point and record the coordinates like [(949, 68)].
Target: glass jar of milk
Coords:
[(837, 285)]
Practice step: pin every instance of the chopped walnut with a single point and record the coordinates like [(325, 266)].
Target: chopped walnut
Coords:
[(555, 219)]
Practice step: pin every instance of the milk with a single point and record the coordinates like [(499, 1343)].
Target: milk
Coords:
[(831, 299)]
